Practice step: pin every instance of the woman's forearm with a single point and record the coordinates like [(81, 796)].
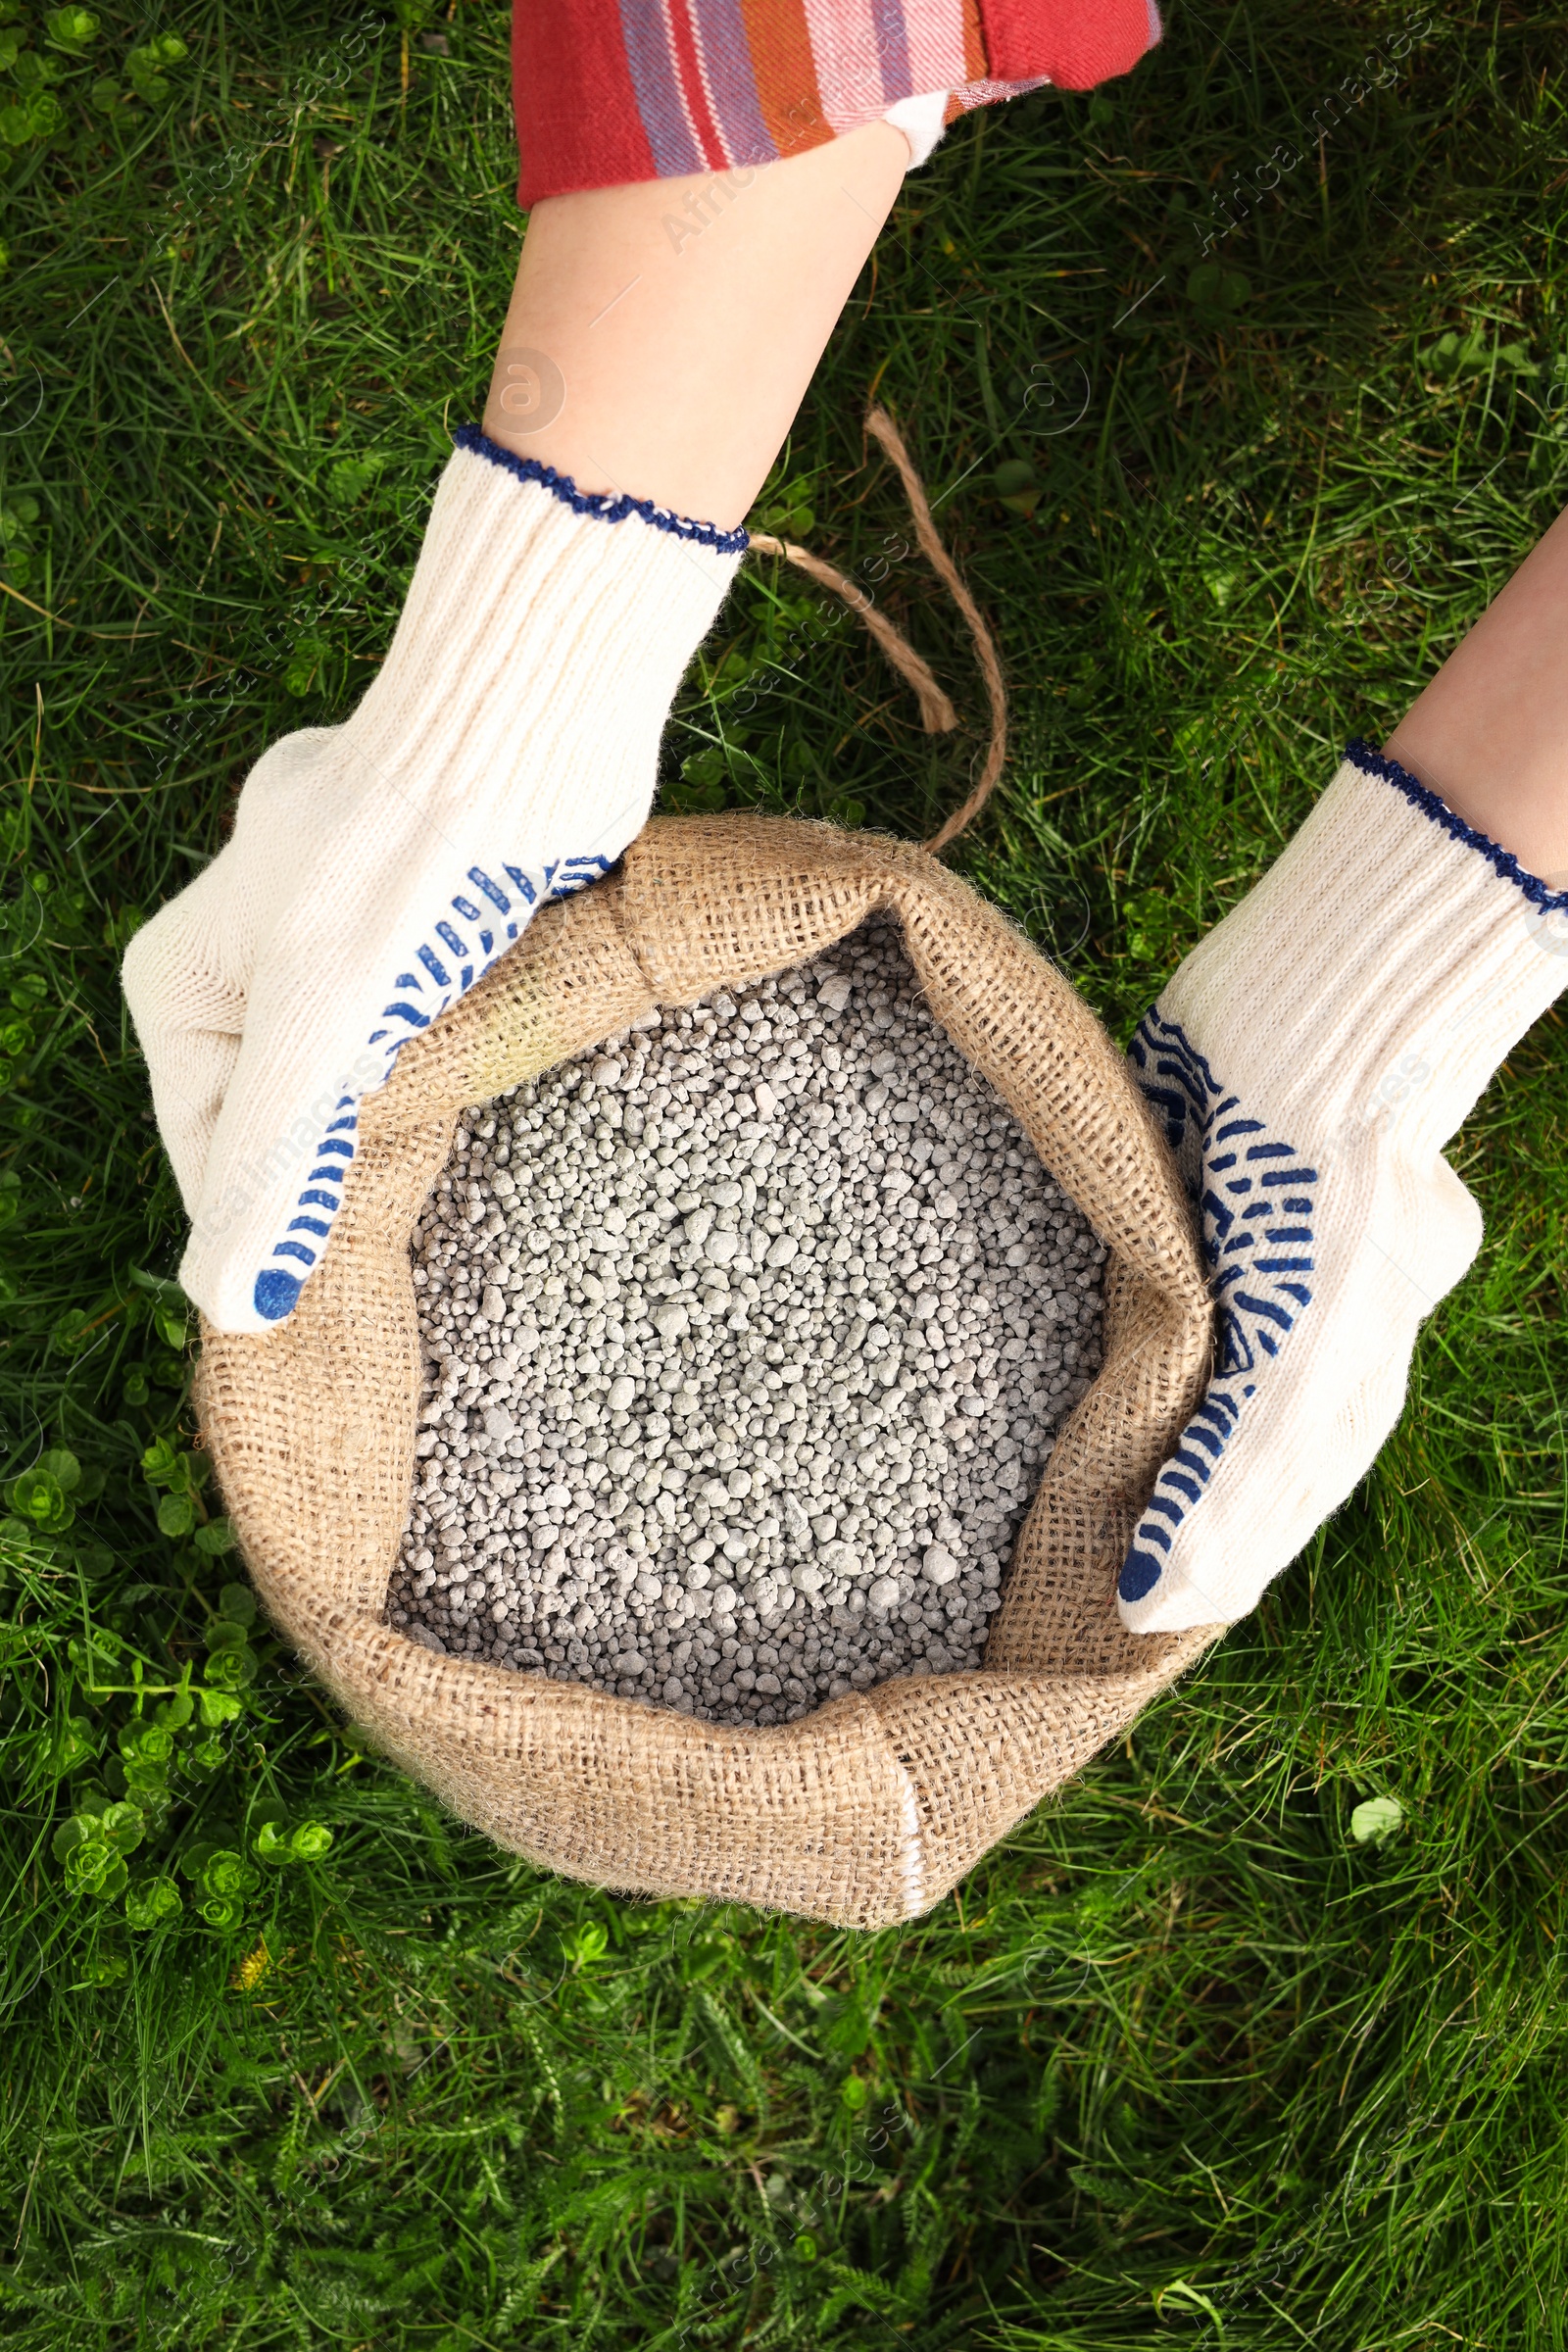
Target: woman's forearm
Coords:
[(1489, 734), (662, 336)]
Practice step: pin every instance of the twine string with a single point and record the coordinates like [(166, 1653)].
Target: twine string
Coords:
[(937, 713), (880, 425)]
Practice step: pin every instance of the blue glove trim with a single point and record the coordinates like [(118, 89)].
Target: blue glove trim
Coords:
[(276, 1292), (608, 506), (1502, 861)]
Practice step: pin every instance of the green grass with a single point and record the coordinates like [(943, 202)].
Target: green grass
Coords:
[(1183, 2063)]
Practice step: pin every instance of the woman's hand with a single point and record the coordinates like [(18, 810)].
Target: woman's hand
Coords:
[(1308, 1060), (506, 755)]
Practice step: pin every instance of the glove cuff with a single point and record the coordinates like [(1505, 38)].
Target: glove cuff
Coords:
[(540, 620), (1374, 979)]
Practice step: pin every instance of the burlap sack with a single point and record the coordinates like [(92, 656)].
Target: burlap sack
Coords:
[(871, 1809)]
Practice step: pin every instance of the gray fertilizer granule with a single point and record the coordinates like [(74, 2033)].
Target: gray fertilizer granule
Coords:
[(745, 1338)]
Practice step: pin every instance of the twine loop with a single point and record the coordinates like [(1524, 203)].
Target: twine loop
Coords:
[(936, 714)]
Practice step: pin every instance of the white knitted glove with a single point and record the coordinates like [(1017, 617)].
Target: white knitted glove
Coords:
[(1309, 1059), (504, 755)]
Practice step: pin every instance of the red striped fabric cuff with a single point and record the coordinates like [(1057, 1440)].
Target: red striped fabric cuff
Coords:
[(608, 91)]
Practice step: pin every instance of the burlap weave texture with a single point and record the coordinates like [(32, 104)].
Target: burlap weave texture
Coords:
[(872, 1807)]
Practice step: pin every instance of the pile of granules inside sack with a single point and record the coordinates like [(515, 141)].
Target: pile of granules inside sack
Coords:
[(746, 1335)]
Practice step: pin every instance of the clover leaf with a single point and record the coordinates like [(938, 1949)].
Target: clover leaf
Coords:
[(1376, 1820), (176, 1514), (153, 1902), (38, 1495), (231, 1668), (228, 1873), (71, 29)]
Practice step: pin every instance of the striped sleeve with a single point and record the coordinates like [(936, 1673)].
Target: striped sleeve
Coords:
[(614, 91)]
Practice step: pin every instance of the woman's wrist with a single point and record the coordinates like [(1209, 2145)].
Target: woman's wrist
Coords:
[(1489, 734)]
